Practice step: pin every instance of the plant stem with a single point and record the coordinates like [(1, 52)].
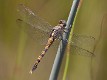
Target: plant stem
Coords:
[(63, 43), (68, 45)]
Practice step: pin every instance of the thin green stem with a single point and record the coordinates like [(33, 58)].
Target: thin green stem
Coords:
[(68, 45)]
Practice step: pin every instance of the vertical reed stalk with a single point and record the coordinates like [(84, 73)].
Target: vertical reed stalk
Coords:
[(63, 43)]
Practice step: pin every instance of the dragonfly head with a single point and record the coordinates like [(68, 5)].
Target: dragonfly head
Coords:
[(62, 23)]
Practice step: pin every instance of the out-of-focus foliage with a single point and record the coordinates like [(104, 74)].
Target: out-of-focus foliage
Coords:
[(18, 51)]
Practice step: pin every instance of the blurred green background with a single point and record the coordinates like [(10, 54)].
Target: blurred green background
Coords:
[(18, 51)]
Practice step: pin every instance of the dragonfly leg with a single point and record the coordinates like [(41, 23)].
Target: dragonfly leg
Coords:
[(60, 37), (66, 30)]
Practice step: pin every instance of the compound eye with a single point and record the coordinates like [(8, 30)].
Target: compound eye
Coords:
[(60, 22)]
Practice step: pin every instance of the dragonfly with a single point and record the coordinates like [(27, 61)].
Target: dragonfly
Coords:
[(34, 24)]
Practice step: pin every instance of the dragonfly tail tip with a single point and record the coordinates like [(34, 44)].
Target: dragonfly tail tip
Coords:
[(30, 72)]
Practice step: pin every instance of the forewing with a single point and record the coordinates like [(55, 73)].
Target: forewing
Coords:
[(34, 33), (32, 19)]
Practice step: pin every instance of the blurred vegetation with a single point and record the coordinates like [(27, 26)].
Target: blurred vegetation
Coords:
[(17, 49)]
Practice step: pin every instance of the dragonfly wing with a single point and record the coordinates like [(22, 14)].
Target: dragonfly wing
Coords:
[(35, 33), (83, 45), (32, 19)]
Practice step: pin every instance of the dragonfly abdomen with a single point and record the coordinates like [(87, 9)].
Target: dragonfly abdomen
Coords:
[(49, 43)]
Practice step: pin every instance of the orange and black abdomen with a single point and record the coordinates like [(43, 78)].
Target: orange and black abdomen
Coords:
[(54, 34), (49, 43)]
